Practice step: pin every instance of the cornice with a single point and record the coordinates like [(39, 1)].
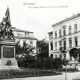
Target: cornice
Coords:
[(67, 19)]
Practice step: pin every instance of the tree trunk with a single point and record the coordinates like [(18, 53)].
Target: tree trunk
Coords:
[(75, 63)]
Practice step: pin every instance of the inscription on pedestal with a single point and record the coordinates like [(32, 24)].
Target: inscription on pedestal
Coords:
[(8, 52)]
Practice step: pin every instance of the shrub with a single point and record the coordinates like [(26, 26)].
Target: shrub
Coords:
[(25, 73)]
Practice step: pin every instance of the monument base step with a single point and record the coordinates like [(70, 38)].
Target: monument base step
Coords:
[(8, 67)]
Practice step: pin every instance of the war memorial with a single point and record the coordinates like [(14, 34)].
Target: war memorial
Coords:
[(7, 44), (8, 62)]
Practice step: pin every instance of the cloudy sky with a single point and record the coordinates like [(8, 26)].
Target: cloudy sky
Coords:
[(38, 15)]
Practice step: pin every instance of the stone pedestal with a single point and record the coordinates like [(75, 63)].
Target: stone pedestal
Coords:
[(7, 54)]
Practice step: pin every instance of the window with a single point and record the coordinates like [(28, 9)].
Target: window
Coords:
[(64, 42), (70, 64), (55, 45), (70, 42), (51, 55), (51, 44), (75, 28), (64, 31), (51, 35), (60, 44), (59, 33), (76, 41), (31, 43), (76, 64), (55, 56), (64, 56), (69, 29), (55, 34), (60, 56)]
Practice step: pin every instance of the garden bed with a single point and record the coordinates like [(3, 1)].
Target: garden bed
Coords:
[(6, 74)]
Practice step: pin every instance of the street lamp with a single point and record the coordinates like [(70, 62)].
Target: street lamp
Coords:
[(66, 71), (63, 51)]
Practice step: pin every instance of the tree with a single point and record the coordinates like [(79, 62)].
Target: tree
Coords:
[(42, 47), (27, 49), (74, 53), (18, 49), (24, 51), (57, 63)]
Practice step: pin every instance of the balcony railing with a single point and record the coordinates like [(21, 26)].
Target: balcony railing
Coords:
[(63, 49)]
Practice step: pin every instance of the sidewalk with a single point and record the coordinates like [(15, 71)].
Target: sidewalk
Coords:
[(69, 76)]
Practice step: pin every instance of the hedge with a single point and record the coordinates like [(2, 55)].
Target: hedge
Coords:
[(6, 74)]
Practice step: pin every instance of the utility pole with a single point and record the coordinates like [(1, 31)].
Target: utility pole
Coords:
[(66, 69), (66, 73), (64, 52)]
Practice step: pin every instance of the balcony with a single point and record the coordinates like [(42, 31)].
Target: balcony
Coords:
[(63, 49), (50, 35)]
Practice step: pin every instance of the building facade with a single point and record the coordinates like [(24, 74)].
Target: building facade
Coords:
[(64, 37), (27, 36)]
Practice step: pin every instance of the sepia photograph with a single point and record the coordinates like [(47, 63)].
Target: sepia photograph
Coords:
[(39, 40)]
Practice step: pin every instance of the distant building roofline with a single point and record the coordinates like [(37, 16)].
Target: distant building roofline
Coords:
[(67, 19), (31, 38), (20, 30)]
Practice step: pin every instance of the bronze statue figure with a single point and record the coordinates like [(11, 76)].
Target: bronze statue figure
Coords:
[(5, 27)]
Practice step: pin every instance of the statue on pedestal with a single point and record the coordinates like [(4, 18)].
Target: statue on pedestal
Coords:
[(5, 27), (7, 44)]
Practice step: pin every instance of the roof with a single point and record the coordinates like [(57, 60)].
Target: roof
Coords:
[(31, 38), (50, 32), (67, 19), (20, 30)]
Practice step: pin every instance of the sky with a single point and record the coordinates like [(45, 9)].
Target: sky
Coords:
[(38, 15)]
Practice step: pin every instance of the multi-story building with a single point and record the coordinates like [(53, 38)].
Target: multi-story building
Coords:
[(65, 36), (27, 36)]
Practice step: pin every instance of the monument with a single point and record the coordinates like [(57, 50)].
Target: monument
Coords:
[(7, 44)]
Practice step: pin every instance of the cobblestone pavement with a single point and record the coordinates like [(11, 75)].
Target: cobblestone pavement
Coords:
[(69, 76)]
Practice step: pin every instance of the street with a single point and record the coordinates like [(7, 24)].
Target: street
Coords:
[(69, 76)]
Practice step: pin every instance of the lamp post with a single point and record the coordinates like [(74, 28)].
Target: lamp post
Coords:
[(63, 51), (66, 71)]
